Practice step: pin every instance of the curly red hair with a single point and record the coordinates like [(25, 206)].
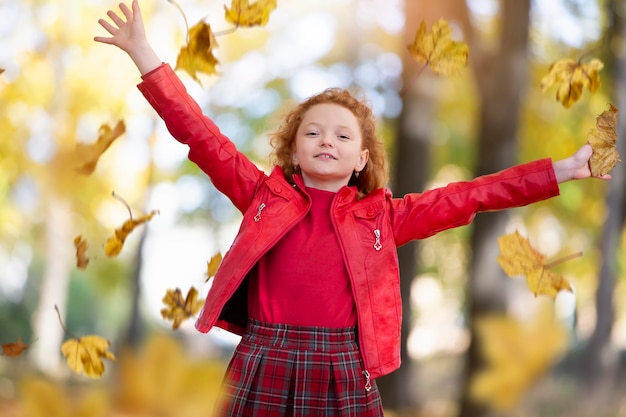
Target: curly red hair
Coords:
[(374, 175)]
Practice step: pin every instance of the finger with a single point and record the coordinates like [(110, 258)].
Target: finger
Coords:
[(124, 8), (108, 27), (102, 39), (115, 18)]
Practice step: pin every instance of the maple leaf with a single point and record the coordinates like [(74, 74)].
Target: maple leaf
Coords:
[(85, 354), (88, 155), (516, 354), (520, 258), (603, 139), (81, 252), (212, 265), (180, 309), (436, 49), (197, 55), (14, 349), (242, 13), (114, 244), (572, 77)]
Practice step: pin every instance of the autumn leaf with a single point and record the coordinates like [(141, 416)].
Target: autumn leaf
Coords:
[(572, 77), (81, 252), (88, 155), (197, 55), (516, 354), (520, 258), (212, 265), (85, 354), (179, 309), (114, 244), (603, 140), (14, 349), (242, 13), (436, 49), (1, 70)]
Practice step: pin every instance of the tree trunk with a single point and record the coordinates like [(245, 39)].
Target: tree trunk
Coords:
[(501, 79), (597, 358)]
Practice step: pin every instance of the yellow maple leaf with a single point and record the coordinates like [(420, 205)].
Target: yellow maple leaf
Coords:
[(516, 354), (88, 155), (197, 55), (572, 77), (520, 258), (242, 13), (212, 265), (603, 140), (14, 349), (81, 252), (114, 244), (436, 49), (85, 354), (180, 309)]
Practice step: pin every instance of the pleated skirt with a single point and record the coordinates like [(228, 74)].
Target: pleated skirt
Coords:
[(282, 370)]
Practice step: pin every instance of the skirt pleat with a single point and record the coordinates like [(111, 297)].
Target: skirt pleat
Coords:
[(282, 370)]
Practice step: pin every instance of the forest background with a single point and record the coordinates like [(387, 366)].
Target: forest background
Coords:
[(58, 87)]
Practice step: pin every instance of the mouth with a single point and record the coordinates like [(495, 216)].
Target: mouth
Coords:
[(325, 156)]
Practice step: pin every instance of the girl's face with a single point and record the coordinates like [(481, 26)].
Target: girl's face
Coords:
[(328, 147)]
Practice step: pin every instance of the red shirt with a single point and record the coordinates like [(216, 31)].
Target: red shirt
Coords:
[(303, 280)]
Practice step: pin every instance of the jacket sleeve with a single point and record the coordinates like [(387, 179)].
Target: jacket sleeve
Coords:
[(420, 215), (231, 172)]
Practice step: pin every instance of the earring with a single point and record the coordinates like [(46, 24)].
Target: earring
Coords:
[(356, 173)]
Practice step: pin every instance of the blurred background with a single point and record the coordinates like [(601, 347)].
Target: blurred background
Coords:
[(475, 342)]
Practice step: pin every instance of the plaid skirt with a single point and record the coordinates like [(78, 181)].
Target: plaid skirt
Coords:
[(283, 370)]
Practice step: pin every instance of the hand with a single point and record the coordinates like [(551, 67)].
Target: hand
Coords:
[(130, 36), (576, 167)]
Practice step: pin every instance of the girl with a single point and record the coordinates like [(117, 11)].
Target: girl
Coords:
[(311, 281)]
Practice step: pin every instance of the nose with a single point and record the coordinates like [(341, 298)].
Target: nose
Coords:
[(326, 140)]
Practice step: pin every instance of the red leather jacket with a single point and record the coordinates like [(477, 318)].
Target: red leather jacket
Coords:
[(369, 229)]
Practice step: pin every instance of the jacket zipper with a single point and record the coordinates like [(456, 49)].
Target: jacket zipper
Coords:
[(257, 216), (368, 382), (377, 244)]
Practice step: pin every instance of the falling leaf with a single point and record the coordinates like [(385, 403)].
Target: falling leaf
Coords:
[(115, 243), (212, 265), (603, 139), (197, 55), (437, 50), (85, 354), (1, 70), (520, 258), (180, 309), (242, 13), (516, 354), (88, 155), (14, 349), (81, 252), (572, 77)]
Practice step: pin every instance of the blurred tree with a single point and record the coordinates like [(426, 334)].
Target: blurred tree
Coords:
[(597, 358), (500, 71)]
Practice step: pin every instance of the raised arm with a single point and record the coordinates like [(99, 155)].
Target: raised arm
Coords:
[(129, 35), (575, 167)]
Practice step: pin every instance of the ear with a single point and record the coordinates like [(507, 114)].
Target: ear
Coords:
[(294, 158), (363, 158)]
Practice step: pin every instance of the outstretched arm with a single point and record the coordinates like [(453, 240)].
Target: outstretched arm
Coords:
[(129, 35), (575, 167)]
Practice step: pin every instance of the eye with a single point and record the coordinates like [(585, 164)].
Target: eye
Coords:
[(312, 133), (346, 137)]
